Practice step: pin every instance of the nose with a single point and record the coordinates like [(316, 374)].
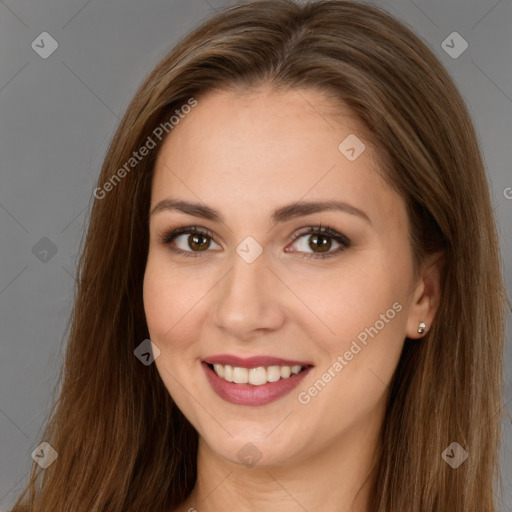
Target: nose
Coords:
[(249, 301)]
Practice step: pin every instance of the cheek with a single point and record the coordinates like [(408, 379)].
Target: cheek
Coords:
[(172, 304), (359, 321), (169, 316), (156, 305), (345, 301), (161, 304), (366, 320)]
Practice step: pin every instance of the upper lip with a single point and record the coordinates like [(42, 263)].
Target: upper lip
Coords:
[(252, 362)]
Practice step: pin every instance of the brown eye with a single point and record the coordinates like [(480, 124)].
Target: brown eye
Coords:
[(198, 242), (319, 242), (194, 240)]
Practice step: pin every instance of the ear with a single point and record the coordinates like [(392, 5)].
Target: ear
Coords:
[(426, 296)]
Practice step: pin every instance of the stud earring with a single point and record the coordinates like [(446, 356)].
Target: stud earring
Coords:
[(421, 327)]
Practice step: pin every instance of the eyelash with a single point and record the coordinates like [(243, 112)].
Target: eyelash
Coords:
[(345, 243)]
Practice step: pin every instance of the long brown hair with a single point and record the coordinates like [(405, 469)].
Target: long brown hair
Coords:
[(122, 443)]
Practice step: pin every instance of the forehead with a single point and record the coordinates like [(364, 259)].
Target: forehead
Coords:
[(265, 148)]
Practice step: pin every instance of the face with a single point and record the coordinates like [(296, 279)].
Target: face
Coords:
[(253, 289)]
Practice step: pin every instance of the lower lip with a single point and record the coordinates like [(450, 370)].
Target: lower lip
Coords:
[(247, 394)]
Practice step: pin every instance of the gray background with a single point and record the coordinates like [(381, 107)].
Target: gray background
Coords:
[(57, 116)]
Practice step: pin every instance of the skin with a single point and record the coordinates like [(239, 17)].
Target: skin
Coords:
[(246, 154)]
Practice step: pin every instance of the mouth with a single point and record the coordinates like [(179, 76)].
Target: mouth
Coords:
[(257, 376), (254, 381)]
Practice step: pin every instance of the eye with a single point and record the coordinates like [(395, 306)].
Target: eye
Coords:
[(197, 239), (320, 241)]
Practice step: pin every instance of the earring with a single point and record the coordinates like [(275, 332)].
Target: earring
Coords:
[(421, 327)]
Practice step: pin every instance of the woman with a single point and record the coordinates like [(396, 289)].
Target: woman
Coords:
[(222, 350)]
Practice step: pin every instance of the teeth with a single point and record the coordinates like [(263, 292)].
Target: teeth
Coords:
[(273, 373), (240, 375), (255, 376), (228, 372), (219, 370)]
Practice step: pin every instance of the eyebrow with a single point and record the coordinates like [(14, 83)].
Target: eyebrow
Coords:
[(281, 214)]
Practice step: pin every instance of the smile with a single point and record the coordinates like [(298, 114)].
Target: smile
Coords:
[(255, 381), (255, 376)]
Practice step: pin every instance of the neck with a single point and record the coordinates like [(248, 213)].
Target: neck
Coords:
[(338, 479)]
